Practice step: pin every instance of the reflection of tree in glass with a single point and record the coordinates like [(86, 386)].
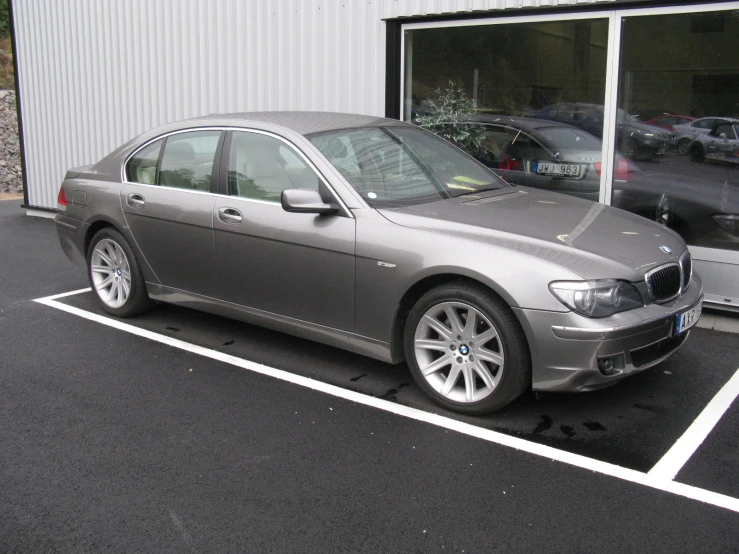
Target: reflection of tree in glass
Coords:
[(181, 178), (239, 184), (186, 178), (449, 116)]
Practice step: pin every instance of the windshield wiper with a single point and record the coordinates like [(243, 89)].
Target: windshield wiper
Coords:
[(478, 191)]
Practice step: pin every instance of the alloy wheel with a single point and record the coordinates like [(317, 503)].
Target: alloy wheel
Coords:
[(459, 352), (111, 273)]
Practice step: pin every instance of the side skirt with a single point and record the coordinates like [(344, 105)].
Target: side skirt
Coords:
[(303, 329)]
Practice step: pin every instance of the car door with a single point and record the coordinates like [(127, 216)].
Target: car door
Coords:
[(721, 141), (295, 265), (168, 203)]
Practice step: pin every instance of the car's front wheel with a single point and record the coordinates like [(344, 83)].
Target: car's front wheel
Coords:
[(683, 145), (115, 275), (466, 349)]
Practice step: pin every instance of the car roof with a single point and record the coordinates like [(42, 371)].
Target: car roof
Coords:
[(730, 119), (301, 123), (521, 122), (670, 115), (304, 123)]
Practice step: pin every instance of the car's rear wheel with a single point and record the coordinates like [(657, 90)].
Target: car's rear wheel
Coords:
[(682, 146), (466, 349), (115, 275), (696, 153)]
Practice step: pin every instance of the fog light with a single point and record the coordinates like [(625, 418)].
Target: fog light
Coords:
[(611, 365)]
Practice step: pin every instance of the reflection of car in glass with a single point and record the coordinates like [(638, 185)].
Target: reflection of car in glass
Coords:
[(668, 121), (541, 153), (378, 237), (636, 140), (562, 158), (720, 144), (704, 212), (685, 133)]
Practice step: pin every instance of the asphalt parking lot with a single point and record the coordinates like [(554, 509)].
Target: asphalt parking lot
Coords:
[(183, 432)]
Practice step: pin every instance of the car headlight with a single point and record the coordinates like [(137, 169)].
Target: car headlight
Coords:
[(600, 298)]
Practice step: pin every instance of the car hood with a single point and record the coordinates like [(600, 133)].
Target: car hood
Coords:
[(644, 129), (593, 240)]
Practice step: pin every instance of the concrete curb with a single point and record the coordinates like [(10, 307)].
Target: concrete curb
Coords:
[(717, 322)]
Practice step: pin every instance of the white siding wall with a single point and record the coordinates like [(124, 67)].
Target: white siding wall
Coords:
[(95, 73)]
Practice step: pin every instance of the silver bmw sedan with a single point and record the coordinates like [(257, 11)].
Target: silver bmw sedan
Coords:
[(378, 237)]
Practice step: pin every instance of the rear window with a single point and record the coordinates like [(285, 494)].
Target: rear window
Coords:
[(567, 138)]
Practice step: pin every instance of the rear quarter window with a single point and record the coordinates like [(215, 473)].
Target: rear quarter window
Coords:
[(142, 167)]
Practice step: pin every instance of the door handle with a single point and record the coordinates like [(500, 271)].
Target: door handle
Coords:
[(229, 215), (135, 200)]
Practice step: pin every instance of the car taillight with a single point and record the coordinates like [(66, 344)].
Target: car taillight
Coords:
[(622, 170), (509, 164), (61, 199)]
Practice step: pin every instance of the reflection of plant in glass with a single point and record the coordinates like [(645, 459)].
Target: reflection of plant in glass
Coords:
[(448, 116)]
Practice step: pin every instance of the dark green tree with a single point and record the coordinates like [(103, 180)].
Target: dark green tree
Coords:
[(448, 116), (4, 18)]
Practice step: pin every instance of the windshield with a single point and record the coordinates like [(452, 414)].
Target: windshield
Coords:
[(626, 116), (569, 138), (397, 166)]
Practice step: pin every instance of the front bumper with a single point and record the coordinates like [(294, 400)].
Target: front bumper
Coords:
[(565, 347)]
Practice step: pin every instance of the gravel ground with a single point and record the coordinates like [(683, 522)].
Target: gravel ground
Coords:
[(10, 162)]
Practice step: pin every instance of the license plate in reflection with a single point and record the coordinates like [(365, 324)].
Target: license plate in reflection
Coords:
[(565, 170), (688, 318)]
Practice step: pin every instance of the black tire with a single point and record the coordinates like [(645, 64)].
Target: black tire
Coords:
[(629, 148), (683, 145), (515, 377), (696, 154), (136, 301)]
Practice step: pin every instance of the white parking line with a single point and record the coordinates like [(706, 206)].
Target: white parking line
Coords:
[(671, 463), (654, 481)]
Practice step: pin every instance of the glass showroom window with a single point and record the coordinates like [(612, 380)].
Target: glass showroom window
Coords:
[(683, 174), (526, 99)]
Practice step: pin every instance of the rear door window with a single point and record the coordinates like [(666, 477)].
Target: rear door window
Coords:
[(187, 161)]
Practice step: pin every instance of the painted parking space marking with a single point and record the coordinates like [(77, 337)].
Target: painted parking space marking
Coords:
[(672, 462), (662, 479)]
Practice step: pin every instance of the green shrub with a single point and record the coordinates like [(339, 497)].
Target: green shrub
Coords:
[(447, 115), (4, 18)]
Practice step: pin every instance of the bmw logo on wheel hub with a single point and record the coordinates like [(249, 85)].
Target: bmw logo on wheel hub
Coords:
[(464, 350)]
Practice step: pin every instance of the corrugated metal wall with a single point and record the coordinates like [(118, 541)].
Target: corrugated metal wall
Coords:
[(94, 74)]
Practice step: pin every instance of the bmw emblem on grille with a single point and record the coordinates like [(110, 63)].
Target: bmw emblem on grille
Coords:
[(665, 249)]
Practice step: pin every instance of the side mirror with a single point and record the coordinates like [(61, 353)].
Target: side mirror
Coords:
[(722, 136), (306, 201)]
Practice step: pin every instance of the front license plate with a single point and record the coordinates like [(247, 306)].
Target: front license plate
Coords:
[(688, 318), (564, 170)]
